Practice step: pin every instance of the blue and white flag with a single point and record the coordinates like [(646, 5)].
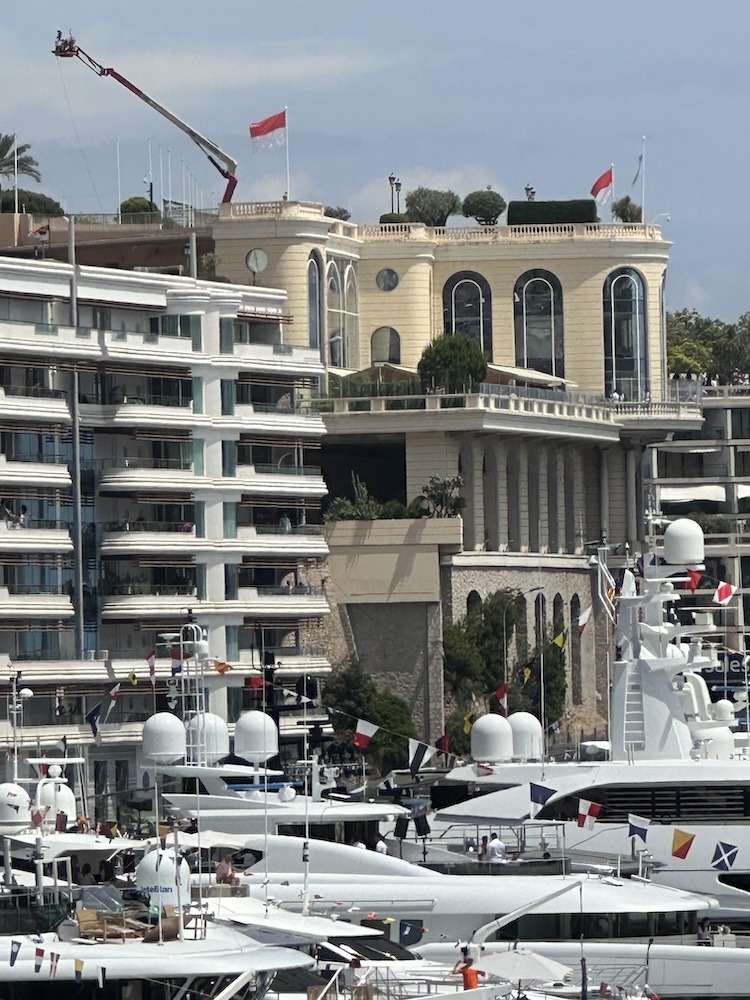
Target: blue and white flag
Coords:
[(15, 947), (638, 826), (724, 857), (419, 755), (93, 719), (539, 795)]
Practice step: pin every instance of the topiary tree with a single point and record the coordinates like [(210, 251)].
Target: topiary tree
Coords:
[(452, 363), (485, 206), (626, 210), (431, 207), (393, 217)]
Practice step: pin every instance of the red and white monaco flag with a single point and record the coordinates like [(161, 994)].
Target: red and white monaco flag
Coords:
[(269, 132), (724, 593), (583, 619), (364, 733), (602, 188)]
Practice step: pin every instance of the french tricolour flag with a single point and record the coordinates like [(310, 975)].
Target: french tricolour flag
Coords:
[(587, 813), (364, 733)]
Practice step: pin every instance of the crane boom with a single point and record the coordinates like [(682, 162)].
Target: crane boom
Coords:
[(66, 48)]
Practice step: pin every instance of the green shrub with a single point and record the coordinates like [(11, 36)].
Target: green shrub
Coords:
[(532, 213)]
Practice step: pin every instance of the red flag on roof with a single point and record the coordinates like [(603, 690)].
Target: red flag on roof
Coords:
[(269, 131)]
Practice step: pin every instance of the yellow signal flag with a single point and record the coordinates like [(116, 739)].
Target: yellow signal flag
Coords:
[(468, 719), (559, 640)]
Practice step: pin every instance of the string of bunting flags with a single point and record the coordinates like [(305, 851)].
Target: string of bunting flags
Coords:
[(40, 954)]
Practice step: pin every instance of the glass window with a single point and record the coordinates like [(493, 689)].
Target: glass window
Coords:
[(538, 320), (385, 345), (335, 320), (625, 335), (386, 279), (467, 308), (314, 303), (226, 334), (351, 319)]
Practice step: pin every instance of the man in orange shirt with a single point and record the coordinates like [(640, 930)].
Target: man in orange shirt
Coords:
[(469, 974)]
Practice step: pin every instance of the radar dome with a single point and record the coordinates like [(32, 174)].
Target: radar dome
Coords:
[(256, 737), (211, 732), (156, 875), (491, 739), (15, 809), (527, 736), (164, 738), (56, 797), (684, 543)]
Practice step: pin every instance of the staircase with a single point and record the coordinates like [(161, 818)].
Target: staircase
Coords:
[(634, 728)]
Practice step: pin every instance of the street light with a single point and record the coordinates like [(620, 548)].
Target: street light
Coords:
[(392, 181), (511, 604), (661, 215), (397, 186), (15, 710)]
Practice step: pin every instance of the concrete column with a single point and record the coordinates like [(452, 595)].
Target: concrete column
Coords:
[(542, 455), (560, 539), (631, 493), (435, 714), (523, 497), (604, 492), (500, 513), (579, 499), (477, 497)]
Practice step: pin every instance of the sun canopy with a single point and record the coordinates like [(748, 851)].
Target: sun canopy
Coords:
[(503, 373), (697, 491)]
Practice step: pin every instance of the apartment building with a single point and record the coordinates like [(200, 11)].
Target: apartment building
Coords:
[(159, 446)]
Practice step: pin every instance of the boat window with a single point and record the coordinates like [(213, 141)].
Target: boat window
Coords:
[(660, 804), (634, 925), (410, 932), (380, 950), (378, 925)]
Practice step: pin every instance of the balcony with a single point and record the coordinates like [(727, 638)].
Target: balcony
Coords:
[(34, 470), (278, 480), (148, 473), (147, 600), (278, 357), (304, 540), (146, 347), (302, 419), (48, 340), (37, 536), (34, 403), (34, 601), (147, 410), (124, 537), (290, 661), (286, 602)]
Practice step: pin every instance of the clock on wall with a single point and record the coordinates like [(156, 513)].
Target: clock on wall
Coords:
[(256, 261)]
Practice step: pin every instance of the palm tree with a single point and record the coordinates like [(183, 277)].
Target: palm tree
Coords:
[(27, 165)]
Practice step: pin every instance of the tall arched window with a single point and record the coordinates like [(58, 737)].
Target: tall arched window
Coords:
[(625, 335), (334, 325), (575, 651), (538, 319), (351, 319), (314, 302), (385, 345), (467, 308)]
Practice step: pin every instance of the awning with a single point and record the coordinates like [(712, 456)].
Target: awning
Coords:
[(743, 491), (699, 491), (501, 373)]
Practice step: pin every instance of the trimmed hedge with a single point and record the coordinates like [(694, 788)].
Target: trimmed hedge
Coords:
[(530, 213), (390, 217)]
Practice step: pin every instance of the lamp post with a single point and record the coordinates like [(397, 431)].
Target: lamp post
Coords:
[(397, 186), (392, 181), (15, 710), (661, 215), (512, 604)]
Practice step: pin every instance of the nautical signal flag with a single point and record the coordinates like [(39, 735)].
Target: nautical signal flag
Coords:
[(724, 857), (269, 131), (724, 593), (38, 959), (419, 755), (443, 744), (15, 947), (539, 795), (468, 719), (114, 692), (54, 958), (583, 619), (93, 720), (501, 694), (587, 813), (525, 672), (363, 733), (256, 682), (694, 578), (151, 660), (559, 640), (78, 963), (682, 841), (638, 826), (602, 189)]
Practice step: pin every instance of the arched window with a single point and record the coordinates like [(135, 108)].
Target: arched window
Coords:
[(351, 319), (473, 603), (575, 651), (540, 621), (625, 335), (385, 345), (314, 302), (538, 319), (335, 326), (467, 308)]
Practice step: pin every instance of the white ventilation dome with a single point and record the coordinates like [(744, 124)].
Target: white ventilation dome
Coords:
[(491, 739), (256, 737), (684, 543), (527, 736), (164, 738), (156, 875), (209, 731), (59, 797), (15, 809)]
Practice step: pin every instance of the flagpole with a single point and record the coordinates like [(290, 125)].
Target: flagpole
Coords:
[(612, 168), (288, 176), (643, 178), (15, 170)]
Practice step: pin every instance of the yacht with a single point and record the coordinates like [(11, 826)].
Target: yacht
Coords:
[(676, 786)]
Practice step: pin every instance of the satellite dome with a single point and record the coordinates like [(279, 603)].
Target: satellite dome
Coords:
[(684, 543), (256, 737), (56, 797), (286, 793), (527, 736), (15, 809), (491, 739), (156, 875), (164, 738), (209, 731)]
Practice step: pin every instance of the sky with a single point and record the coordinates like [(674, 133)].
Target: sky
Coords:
[(459, 96)]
